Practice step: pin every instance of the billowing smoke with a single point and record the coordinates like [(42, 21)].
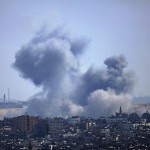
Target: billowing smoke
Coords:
[(50, 60), (113, 78)]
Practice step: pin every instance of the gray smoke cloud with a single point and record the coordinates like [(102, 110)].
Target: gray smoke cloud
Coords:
[(114, 77), (50, 60)]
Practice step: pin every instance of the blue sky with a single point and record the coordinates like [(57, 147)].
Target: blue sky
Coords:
[(113, 28)]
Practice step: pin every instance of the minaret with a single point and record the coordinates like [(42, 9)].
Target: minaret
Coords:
[(120, 111)]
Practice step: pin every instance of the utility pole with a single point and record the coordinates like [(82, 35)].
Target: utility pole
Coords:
[(4, 98), (8, 94)]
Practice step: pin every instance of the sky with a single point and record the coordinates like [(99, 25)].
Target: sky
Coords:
[(112, 27)]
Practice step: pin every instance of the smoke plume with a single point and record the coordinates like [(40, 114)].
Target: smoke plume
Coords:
[(50, 60)]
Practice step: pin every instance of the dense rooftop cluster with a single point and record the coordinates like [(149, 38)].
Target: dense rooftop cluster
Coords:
[(122, 131)]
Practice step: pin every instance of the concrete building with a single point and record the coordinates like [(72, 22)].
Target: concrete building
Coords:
[(25, 123), (90, 125), (55, 127)]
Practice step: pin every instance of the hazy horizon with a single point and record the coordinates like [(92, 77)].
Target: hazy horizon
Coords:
[(79, 53)]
